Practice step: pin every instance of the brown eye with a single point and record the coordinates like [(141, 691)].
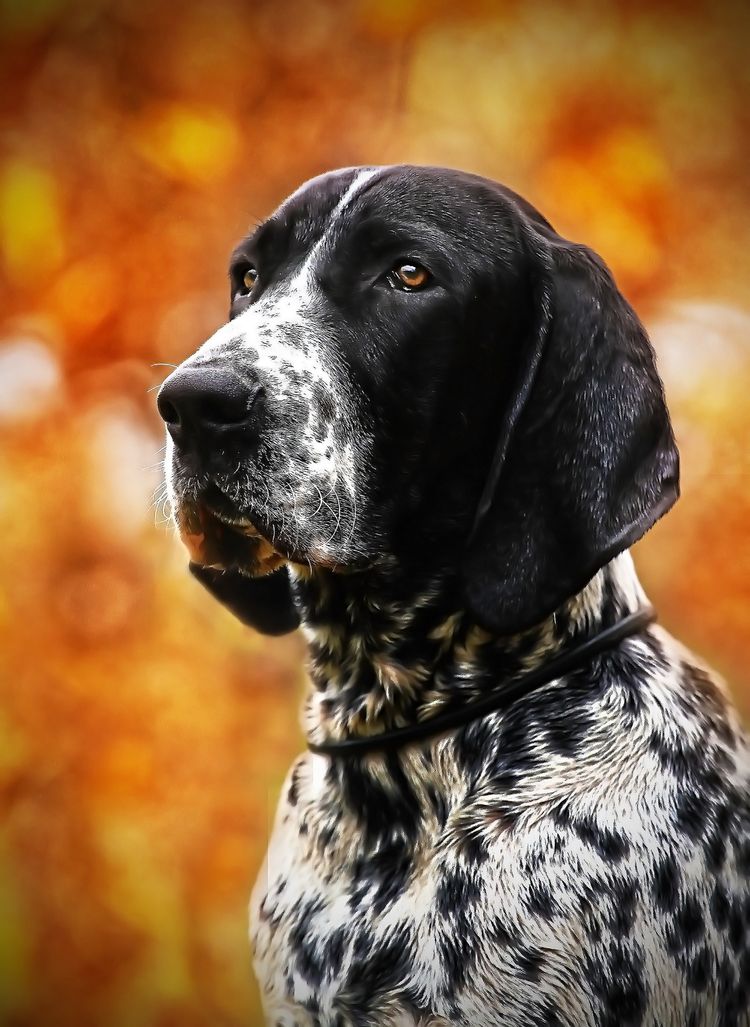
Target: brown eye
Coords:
[(410, 276), (250, 278)]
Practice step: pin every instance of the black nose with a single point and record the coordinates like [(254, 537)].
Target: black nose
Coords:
[(207, 404)]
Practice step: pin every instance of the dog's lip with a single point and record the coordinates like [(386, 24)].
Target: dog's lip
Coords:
[(218, 539), (243, 525)]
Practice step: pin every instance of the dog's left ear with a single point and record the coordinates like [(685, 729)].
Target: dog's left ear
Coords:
[(262, 603), (586, 460)]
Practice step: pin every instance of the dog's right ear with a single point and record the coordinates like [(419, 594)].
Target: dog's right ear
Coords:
[(262, 603)]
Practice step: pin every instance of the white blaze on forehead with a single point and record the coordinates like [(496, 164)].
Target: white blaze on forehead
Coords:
[(287, 304), (356, 187)]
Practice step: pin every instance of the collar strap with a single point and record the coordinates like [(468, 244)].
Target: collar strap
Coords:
[(498, 701)]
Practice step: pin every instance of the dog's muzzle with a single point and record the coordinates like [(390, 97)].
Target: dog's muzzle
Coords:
[(210, 413)]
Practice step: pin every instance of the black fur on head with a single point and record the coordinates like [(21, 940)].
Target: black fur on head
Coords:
[(505, 425)]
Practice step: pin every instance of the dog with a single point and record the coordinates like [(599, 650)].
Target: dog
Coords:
[(428, 435)]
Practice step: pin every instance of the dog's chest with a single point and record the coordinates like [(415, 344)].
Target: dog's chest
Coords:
[(396, 932), (580, 892), (336, 926)]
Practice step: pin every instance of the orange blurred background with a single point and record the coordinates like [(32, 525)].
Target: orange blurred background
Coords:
[(143, 733)]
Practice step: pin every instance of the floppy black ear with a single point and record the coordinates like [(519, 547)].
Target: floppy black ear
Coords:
[(586, 461), (262, 603)]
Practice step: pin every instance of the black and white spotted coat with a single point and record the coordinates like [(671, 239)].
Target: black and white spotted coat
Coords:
[(581, 859)]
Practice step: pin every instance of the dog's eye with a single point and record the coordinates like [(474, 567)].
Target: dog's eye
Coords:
[(249, 279), (409, 277)]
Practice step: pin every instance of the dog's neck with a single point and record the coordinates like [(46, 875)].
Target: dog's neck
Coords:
[(386, 651)]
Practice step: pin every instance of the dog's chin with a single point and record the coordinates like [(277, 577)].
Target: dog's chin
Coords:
[(213, 541)]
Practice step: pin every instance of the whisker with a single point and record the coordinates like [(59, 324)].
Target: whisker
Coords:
[(350, 536), (320, 504)]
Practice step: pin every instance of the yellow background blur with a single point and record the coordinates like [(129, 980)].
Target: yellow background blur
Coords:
[(143, 733)]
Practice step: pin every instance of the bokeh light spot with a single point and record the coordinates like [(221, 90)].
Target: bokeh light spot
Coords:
[(30, 379), (84, 294), (190, 143), (30, 225)]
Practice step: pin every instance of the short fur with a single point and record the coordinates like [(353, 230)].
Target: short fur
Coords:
[(454, 476)]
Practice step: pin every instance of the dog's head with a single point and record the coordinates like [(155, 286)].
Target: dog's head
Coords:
[(417, 366)]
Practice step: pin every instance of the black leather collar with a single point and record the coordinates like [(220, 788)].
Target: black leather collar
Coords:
[(499, 700)]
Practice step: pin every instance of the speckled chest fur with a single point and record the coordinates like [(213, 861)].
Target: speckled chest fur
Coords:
[(427, 436), (583, 858)]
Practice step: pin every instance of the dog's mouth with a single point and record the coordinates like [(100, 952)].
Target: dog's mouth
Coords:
[(215, 540)]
